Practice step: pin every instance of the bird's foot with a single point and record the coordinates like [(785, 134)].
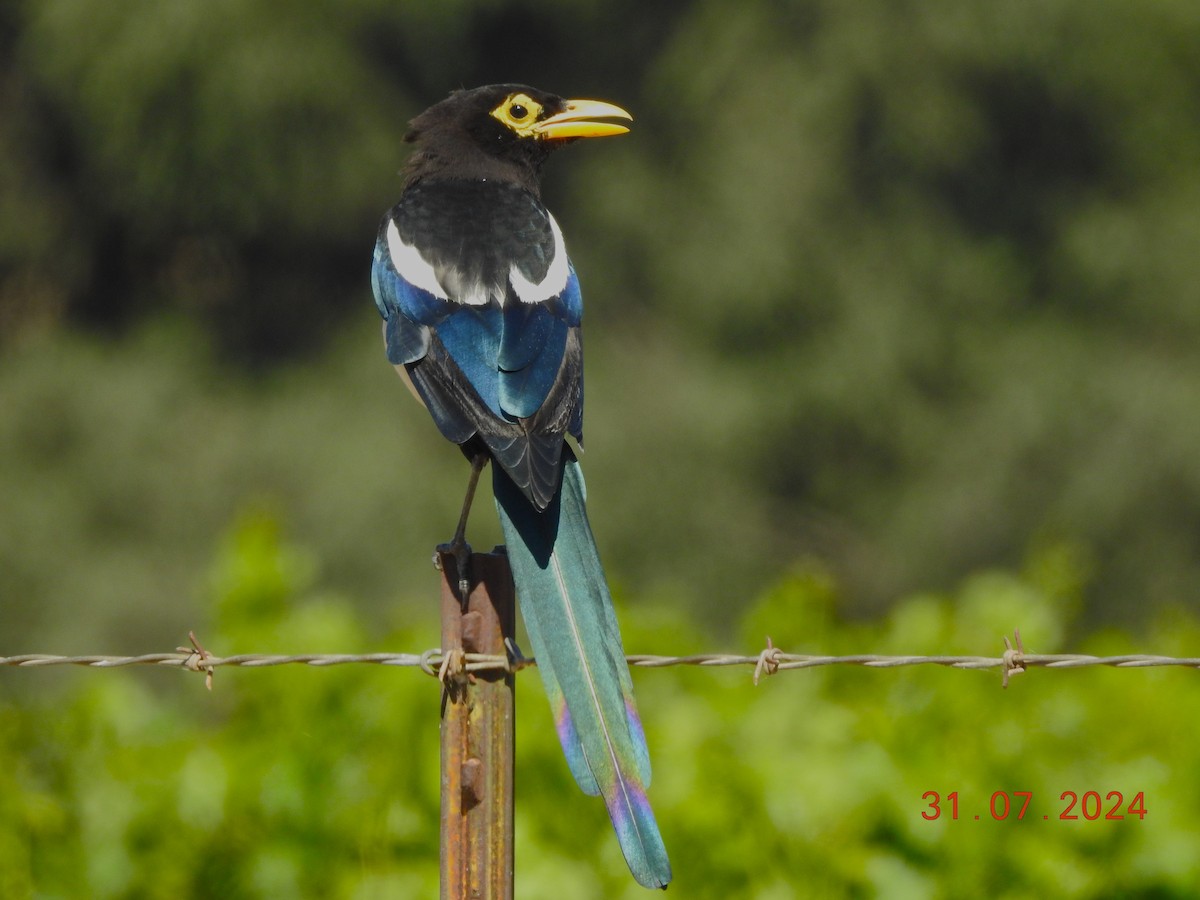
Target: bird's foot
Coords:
[(461, 551)]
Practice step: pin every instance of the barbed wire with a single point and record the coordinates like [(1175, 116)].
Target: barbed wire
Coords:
[(768, 661)]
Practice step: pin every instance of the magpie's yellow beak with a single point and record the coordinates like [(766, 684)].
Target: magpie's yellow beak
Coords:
[(579, 119)]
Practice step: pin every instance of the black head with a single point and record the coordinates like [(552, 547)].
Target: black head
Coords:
[(502, 131)]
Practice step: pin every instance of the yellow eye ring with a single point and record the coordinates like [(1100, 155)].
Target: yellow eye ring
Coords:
[(519, 112)]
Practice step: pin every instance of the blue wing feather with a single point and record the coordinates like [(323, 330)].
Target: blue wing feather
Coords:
[(531, 353), (572, 303), (571, 299), (471, 335), (407, 310), (406, 341), (510, 355), (394, 293)]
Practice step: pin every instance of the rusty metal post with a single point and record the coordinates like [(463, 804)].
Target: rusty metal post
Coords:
[(478, 717)]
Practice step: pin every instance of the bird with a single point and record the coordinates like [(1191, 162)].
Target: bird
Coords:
[(482, 311)]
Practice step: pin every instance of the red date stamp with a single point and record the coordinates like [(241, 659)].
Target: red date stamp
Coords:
[(1090, 805)]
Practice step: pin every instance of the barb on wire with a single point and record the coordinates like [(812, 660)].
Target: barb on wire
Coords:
[(1014, 659), (197, 659), (769, 661)]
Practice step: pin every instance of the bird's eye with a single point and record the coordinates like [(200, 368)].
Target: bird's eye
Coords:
[(519, 112)]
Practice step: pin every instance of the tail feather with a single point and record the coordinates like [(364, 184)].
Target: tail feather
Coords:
[(563, 723), (569, 616)]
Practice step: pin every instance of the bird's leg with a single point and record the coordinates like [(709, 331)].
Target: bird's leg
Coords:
[(458, 546)]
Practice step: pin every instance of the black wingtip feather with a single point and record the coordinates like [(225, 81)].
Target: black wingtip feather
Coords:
[(531, 461)]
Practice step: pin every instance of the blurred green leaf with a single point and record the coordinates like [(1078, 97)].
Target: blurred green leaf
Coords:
[(307, 783)]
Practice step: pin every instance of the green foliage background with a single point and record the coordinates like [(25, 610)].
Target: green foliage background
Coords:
[(892, 312), (324, 783)]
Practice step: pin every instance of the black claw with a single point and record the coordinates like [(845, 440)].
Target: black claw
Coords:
[(461, 551)]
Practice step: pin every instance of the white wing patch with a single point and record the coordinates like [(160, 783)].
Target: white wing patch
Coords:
[(556, 276), (417, 271), (412, 265)]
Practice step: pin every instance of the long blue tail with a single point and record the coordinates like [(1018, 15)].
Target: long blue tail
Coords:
[(569, 616)]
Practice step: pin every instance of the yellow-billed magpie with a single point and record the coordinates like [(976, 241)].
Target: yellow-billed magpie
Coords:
[(482, 314)]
